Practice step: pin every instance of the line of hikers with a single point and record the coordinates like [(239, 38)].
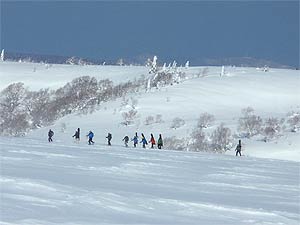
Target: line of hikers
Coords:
[(135, 139)]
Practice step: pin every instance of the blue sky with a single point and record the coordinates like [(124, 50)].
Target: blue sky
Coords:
[(179, 30)]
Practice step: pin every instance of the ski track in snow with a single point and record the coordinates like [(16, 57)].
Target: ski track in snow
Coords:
[(44, 183)]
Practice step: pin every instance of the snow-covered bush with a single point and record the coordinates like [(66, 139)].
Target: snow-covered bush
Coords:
[(205, 120), (294, 121), (198, 141), (221, 139), (272, 128), (129, 117), (250, 124), (177, 122), (173, 143), (162, 79), (13, 114)]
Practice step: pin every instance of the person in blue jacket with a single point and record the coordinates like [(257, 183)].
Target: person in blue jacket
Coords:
[(90, 136), (144, 141), (135, 140)]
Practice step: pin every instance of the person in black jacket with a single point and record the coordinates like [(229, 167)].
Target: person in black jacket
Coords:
[(126, 139), (50, 135), (77, 135), (159, 142), (109, 137), (238, 148)]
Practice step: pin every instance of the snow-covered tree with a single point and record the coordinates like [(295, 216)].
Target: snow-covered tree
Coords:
[(153, 65), (2, 55), (164, 68), (72, 60), (187, 64), (174, 65)]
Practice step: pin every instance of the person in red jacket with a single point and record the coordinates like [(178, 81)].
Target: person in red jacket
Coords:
[(152, 141)]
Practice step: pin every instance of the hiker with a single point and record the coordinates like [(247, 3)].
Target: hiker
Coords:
[(144, 141), (159, 142), (135, 140), (90, 136), (50, 135), (152, 141), (109, 137), (77, 135), (126, 139), (238, 148)]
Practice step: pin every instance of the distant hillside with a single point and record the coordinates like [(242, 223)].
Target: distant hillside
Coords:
[(141, 59)]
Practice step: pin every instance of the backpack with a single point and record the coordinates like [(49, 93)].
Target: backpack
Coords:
[(51, 133)]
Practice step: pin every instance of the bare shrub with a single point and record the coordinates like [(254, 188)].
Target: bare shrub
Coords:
[(177, 122), (149, 120), (272, 128), (205, 120), (250, 124), (158, 118), (198, 141), (129, 117), (173, 143), (221, 139)]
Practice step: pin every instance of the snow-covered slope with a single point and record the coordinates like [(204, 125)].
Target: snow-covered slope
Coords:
[(271, 94), (69, 183), (55, 183)]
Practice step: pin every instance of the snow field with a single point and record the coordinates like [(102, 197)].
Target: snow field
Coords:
[(54, 183)]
